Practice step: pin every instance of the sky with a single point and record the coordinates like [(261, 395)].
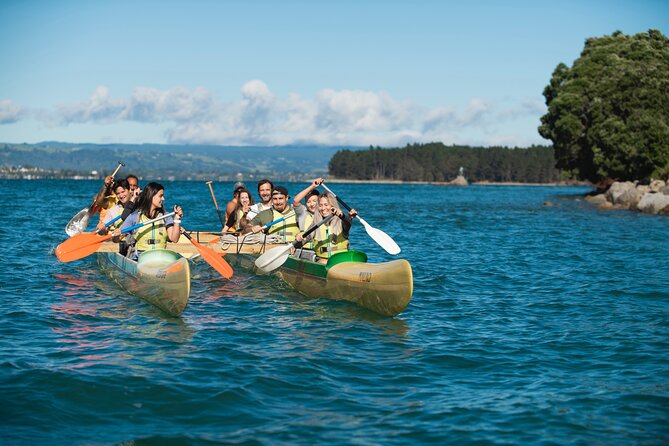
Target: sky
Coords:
[(262, 73)]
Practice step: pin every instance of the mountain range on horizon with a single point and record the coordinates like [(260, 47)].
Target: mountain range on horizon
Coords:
[(169, 160)]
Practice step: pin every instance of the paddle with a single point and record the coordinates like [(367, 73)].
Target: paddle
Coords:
[(111, 222), (380, 237), (278, 220), (220, 216), (82, 245), (216, 261), (79, 222), (276, 257)]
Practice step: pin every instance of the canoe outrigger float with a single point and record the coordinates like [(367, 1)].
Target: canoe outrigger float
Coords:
[(161, 277), (385, 288)]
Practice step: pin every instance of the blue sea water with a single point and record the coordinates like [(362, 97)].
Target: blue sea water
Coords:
[(529, 324)]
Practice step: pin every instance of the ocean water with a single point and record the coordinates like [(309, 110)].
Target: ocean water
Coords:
[(529, 324)]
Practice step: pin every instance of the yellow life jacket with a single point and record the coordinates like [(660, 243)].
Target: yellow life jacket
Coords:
[(238, 219), (153, 236), (326, 244), (287, 229), (308, 220)]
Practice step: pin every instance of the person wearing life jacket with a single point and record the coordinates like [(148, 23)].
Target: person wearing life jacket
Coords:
[(305, 213), (331, 237), (238, 218), (286, 229), (154, 235), (265, 188), (121, 190)]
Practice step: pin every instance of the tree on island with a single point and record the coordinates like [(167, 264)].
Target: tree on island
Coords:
[(608, 115)]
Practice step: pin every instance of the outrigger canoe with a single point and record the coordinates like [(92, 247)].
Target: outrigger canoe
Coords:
[(384, 288), (161, 277)]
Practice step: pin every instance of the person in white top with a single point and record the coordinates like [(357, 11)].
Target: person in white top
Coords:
[(265, 187)]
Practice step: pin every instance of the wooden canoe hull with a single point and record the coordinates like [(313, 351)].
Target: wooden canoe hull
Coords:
[(161, 277)]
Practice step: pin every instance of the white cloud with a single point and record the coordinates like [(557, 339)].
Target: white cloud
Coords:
[(10, 112), (146, 104), (258, 117)]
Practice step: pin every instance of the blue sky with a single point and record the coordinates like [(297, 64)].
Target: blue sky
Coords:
[(381, 73)]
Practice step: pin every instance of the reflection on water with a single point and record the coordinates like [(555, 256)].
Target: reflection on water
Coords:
[(99, 325)]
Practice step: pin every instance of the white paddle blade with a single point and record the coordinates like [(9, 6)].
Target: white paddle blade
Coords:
[(273, 259), (78, 223), (380, 237)]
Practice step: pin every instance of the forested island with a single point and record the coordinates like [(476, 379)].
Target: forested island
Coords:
[(436, 162)]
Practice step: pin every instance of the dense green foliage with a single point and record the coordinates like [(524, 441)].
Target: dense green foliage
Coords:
[(436, 162), (608, 115)]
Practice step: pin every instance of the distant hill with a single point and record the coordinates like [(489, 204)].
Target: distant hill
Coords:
[(173, 161)]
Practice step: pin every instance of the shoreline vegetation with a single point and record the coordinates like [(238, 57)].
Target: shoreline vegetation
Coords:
[(44, 174)]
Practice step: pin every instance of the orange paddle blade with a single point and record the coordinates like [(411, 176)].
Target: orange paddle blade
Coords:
[(80, 246), (216, 261)]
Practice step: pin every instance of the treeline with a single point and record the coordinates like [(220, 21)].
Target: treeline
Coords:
[(437, 162)]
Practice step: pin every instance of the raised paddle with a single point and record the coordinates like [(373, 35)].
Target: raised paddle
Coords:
[(215, 260), (213, 196), (276, 257), (79, 222), (380, 237), (82, 245)]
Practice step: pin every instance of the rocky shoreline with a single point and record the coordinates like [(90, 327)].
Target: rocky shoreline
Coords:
[(652, 198)]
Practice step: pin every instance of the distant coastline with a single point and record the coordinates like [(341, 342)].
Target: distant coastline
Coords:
[(446, 183), (35, 174)]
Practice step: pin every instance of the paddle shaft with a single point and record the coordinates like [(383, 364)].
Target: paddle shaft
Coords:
[(276, 257), (82, 245), (92, 207), (112, 221), (278, 220), (213, 196), (120, 164), (313, 228), (380, 237), (348, 208)]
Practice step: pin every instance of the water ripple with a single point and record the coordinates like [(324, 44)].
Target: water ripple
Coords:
[(528, 325)]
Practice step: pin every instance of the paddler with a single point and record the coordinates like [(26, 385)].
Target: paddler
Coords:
[(332, 237), (265, 188), (105, 199), (305, 213), (238, 218), (286, 229), (155, 235), (121, 190)]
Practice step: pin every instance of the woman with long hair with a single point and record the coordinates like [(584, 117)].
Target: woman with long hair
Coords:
[(331, 237), (238, 218), (156, 234)]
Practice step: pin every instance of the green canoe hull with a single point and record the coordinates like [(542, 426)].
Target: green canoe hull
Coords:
[(384, 288)]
